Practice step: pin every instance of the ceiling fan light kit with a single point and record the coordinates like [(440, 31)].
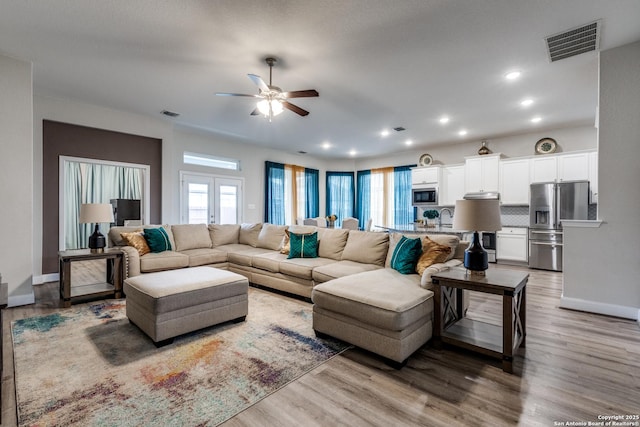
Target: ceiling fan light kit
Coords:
[(273, 99)]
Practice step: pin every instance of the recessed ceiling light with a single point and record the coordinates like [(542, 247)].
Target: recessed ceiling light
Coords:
[(526, 102), (512, 75), (326, 145), (536, 119), (444, 120), (385, 132), (408, 142), (353, 152), (462, 132)]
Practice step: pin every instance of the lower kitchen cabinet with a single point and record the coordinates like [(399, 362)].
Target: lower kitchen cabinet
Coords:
[(512, 244)]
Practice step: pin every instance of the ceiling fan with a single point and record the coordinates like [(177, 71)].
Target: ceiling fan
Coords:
[(273, 99)]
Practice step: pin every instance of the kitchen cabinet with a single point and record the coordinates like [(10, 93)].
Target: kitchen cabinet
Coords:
[(544, 169), (514, 182), (512, 244), (573, 167), (426, 175), (482, 173), (452, 185), (593, 177)]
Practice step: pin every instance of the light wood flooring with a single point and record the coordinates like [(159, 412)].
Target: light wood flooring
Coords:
[(576, 367)]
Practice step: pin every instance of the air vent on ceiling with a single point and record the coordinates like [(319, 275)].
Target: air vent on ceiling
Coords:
[(399, 129), (170, 113), (585, 38)]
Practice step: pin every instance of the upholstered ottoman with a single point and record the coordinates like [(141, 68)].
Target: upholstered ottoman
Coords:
[(382, 311), (171, 303)]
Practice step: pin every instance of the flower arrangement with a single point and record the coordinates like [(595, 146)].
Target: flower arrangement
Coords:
[(430, 215), (331, 217)]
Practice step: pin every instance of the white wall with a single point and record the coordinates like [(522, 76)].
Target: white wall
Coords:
[(602, 272), (16, 178), (568, 139)]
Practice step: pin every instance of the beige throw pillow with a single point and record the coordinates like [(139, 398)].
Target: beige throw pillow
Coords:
[(366, 247), (224, 234), (136, 240), (271, 236), (191, 236), (249, 234)]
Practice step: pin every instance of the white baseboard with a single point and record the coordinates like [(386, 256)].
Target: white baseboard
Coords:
[(44, 278), (16, 300), (600, 308)]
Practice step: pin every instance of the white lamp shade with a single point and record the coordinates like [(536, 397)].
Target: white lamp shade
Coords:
[(477, 215), (96, 213)]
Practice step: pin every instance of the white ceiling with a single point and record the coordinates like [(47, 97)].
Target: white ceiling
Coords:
[(376, 63)]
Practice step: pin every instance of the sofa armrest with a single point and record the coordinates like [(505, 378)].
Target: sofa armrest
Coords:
[(425, 281), (131, 261)]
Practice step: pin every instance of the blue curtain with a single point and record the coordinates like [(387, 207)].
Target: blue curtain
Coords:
[(340, 195), (274, 193), (403, 212), (364, 196), (312, 192)]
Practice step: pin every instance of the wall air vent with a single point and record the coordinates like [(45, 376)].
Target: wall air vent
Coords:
[(585, 38), (170, 113)]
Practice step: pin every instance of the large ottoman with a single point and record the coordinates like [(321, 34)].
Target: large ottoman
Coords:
[(171, 303), (382, 311)]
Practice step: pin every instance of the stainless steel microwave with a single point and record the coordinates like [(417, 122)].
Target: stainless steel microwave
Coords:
[(424, 196)]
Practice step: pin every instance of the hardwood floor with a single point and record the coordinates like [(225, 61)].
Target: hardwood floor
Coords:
[(576, 367)]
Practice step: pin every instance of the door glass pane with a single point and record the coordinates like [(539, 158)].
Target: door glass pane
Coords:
[(228, 204), (198, 204)]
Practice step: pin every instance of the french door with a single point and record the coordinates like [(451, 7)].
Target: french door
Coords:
[(210, 199)]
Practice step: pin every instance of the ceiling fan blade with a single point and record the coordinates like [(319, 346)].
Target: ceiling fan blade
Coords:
[(237, 94), (259, 82), (301, 93), (294, 108), (255, 112)]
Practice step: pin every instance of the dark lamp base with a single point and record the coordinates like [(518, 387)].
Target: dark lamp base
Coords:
[(97, 242), (475, 257)]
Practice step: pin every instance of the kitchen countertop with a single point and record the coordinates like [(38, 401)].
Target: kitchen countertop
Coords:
[(414, 228)]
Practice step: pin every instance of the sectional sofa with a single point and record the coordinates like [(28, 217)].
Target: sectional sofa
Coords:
[(357, 296)]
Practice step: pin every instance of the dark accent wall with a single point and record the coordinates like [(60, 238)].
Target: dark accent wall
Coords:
[(63, 139)]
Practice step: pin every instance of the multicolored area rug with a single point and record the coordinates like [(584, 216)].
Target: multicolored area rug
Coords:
[(88, 366)]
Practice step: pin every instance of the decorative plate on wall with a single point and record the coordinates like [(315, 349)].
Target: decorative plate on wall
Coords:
[(546, 146), (425, 160)]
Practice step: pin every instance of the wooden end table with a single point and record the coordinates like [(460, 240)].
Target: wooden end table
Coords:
[(111, 287), (450, 325)]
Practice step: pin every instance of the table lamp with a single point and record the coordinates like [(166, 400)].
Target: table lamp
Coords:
[(476, 215), (96, 213)]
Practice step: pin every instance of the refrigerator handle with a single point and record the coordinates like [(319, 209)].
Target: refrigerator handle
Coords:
[(556, 213)]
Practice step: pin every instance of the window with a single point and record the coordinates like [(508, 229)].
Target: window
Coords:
[(384, 195), (340, 195), (291, 192), (210, 161)]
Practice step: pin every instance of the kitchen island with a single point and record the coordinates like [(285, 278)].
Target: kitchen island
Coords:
[(418, 229)]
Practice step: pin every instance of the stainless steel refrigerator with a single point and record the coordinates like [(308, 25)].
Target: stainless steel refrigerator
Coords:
[(549, 204)]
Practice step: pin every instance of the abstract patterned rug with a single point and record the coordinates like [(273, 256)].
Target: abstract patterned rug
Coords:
[(88, 366)]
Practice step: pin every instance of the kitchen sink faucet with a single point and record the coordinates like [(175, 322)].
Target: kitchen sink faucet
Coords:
[(440, 216)]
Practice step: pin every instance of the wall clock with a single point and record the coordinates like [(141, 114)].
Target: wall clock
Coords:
[(425, 160), (546, 146)]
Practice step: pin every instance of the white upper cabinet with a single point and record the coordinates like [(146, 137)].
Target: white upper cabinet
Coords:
[(482, 173), (452, 185), (426, 175), (573, 167), (514, 182), (544, 169)]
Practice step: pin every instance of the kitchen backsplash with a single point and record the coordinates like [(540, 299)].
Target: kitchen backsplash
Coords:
[(517, 216)]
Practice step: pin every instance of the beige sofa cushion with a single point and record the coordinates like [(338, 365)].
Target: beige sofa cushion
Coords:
[(383, 298), (243, 254), (167, 260), (366, 247), (302, 267), (332, 242), (340, 269), (269, 261), (271, 236), (191, 236), (249, 234), (224, 234), (204, 256)]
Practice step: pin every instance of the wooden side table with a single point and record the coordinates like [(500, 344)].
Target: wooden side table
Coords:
[(111, 287), (450, 325)]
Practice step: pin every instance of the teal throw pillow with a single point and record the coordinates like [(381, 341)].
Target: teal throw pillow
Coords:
[(406, 254), (157, 239), (303, 245)]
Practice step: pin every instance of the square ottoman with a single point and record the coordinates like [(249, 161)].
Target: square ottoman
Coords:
[(171, 303)]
